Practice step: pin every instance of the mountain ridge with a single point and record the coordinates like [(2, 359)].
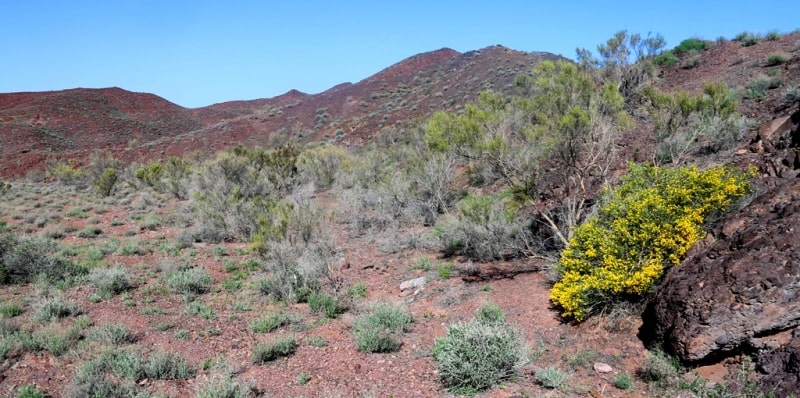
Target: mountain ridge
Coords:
[(41, 127)]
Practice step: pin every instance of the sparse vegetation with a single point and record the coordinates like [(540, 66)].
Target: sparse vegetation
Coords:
[(230, 245), (478, 354)]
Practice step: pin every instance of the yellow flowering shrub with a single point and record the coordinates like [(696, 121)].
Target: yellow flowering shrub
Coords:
[(643, 226)]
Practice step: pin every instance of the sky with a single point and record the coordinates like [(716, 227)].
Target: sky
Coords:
[(197, 53)]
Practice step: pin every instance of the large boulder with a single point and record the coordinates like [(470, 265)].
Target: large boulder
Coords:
[(739, 285)]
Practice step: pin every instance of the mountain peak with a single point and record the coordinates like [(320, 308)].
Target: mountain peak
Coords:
[(417, 62)]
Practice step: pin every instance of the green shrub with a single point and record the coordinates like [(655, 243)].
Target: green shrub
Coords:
[(666, 59), (266, 324), (320, 164), (551, 377), (190, 282), (110, 281), (67, 173), (358, 291), (222, 384), (89, 233), (691, 45), (90, 381), (485, 228), (104, 184), (660, 368), (772, 36), (707, 122), (10, 310), (23, 259), (29, 391), (54, 307), (776, 59), (165, 365), (623, 381), (476, 355), (491, 314), (758, 87), (112, 333), (643, 226), (747, 39), (197, 308), (268, 351), (379, 329), (330, 306)]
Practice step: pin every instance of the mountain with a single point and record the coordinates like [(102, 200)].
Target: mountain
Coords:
[(36, 127)]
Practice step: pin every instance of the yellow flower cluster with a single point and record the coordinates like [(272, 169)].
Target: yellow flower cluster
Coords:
[(642, 227)]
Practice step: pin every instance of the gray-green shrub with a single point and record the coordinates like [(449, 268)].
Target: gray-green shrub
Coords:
[(267, 351), (110, 281), (477, 354), (379, 330)]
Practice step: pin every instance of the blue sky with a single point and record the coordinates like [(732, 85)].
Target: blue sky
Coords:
[(197, 53)]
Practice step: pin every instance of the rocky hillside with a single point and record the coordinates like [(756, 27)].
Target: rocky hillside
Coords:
[(74, 123)]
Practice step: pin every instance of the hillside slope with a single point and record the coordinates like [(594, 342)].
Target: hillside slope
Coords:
[(75, 123)]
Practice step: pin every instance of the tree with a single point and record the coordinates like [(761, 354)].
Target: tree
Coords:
[(553, 141), (625, 59)]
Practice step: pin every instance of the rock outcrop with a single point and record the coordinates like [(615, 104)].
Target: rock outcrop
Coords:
[(741, 285), (781, 367)]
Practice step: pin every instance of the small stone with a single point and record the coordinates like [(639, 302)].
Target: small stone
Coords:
[(600, 367), (412, 283)]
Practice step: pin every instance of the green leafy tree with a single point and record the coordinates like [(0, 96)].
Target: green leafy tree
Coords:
[(554, 139)]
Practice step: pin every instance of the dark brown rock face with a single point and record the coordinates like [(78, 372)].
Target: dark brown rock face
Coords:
[(782, 368), (743, 285)]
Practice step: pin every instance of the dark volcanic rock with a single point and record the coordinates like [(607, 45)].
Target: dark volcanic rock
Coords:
[(782, 368), (745, 284)]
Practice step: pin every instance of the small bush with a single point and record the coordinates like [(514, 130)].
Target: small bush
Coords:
[(89, 233), (624, 381), (112, 333), (758, 87), (325, 304), (491, 314), (23, 259), (775, 59), (196, 308), (660, 369), (271, 350), (747, 39), (165, 365), (10, 310), (379, 330), (266, 324), (691, 62), (666, 59), (358, 291), (110, 281), (772, 36), (660, 212), (190, 282), (224, 385), (551, 377), (485, 229), (55, 307), (29, 391), (476, 355), (104, 184), (691, 45)]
